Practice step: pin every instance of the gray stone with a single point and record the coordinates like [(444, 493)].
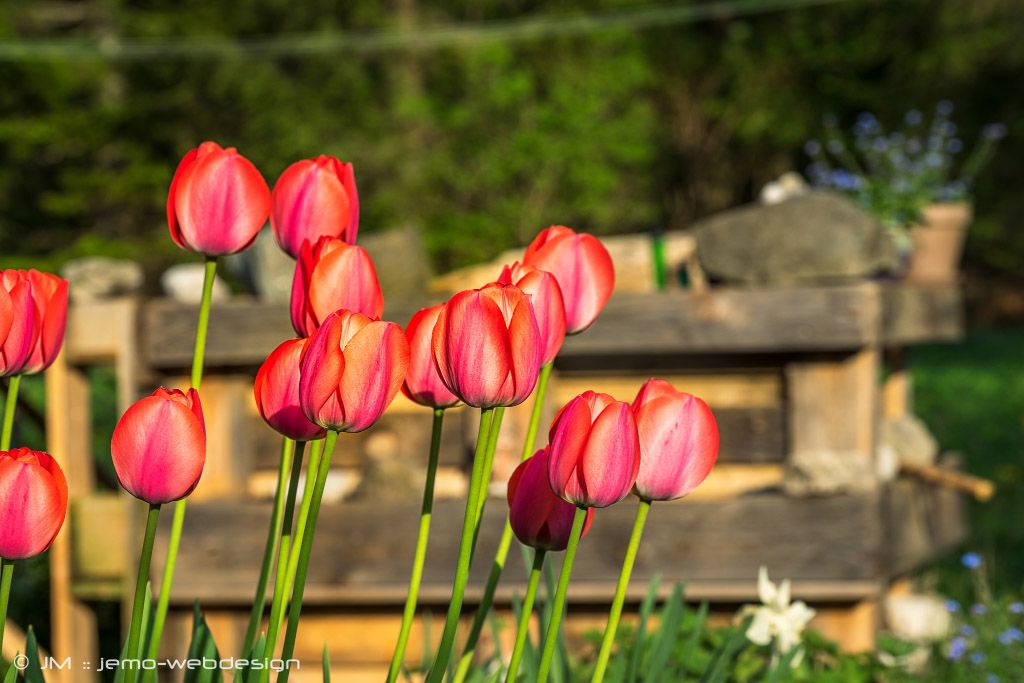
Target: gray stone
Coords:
[(822, 472), (265, 268), (814, 237), (908, 440), (786, 186), (386, 476), (401, 260), (184, 282), (93, 278)]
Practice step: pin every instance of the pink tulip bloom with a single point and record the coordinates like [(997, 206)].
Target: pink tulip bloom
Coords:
[(423, 384), (487, 346), (678, 441), (50, 294), (33, 502), (538, 517), (583, 268), (351, 371), (218, 201), (546, 297), (329, 276), (277, 392), (19, 322), (314, 198), (159, 446), (595, 451)]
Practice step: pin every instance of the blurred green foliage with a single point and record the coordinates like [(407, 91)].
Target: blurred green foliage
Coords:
[(482, 145)]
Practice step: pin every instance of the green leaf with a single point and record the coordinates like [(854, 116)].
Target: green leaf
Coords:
[(327, 665), (665, 640), (646, 607), (783, 668), (202, 647), (33, 673), (12, 673), (719, 669), (695, 635)]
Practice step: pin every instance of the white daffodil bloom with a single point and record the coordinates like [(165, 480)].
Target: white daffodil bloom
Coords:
[(776, 621)]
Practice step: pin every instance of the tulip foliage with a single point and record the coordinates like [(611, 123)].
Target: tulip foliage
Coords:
[(487, 348)]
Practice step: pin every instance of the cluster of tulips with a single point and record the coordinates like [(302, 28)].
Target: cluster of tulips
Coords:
[(488, 348)]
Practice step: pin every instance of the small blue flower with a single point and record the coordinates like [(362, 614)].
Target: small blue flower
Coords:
[(866, 122), (812, 147), (913, 146), (913, 117), (944, 108), (971, 560), (947, 129), (978, 609), (957, 648), (994, 131), (992, 678), (1011, 635), (967, 630), (954, 146), (1016, 608), (952, 605), (880, 144), (977, 657)]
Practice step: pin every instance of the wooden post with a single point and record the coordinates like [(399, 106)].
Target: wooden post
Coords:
[(897, 390)]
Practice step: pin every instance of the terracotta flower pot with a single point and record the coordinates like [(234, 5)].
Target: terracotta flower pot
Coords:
[(938, 242)]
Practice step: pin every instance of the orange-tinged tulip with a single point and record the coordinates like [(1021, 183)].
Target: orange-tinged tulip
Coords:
[(19, 320), (217, 202), (314, 198), (538, 517), (423, 384), (277, 392), (351, 371), (678, 441), (50, 294), (487, 346), (546, 297), (583, 268), (159, 446), (33, 502), (332, 275), (594, 450)]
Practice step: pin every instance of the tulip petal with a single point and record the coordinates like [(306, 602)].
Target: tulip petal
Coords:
[(476, 360), (611, 459), (321, 370), (376, 359), (33, 503)]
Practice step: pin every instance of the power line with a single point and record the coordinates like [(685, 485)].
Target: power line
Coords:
[(370, 42)]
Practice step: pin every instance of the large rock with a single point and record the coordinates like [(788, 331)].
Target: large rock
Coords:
[(184, 282), (401, 260), (815, 237), (93, 278)]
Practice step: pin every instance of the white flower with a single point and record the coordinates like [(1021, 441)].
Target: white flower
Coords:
[(777, 621)]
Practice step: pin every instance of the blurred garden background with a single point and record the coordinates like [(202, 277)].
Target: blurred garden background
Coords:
[(477, 123)]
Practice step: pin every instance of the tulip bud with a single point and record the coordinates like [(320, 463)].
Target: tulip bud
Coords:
[(678, 441), (595, 451), (19, 322), (351, 371), (487, 346), (159, 446), (583, 268), (546, 297), (277, 392), (332, 275), (538, 517), (218, 201), (314, 198), (50, 294), (33, 502), (423, 384)]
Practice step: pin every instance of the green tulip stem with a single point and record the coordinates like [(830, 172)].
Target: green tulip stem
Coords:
[(492, 445), (134, 648), (10, 405), (305, 550), (505, 544), (558, 606), (6, 576), (178, 522), (524, 618), (285, 487), (620, 591), (426, 511), (477, 487)]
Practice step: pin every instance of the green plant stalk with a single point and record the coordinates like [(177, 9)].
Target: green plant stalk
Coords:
[(141, 582), (426, 512), (305, 550), (524, 618), (558, 605), (501, 555), (259, 603), (620, 590), (10, 405), (6, 576), (477, 484), (492, 445), (178, 522)]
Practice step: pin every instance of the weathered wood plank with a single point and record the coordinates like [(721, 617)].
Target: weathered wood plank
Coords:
[(914, 314)]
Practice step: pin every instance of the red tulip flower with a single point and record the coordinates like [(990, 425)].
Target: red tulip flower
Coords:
[(595, 451), (314, 198), (159, 446), (218, 201), (583, 268), (332, 275), (33, 502), (488, 347), (678, 441), (19, 322), (50, 294), (538, 517), (423, 384), (546, 297), (351, 371), (277, 392)]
